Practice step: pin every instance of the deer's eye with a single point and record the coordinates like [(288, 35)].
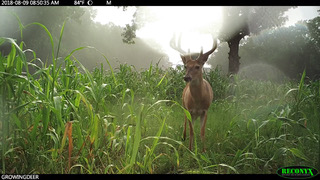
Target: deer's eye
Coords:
[(185, 67), (197, 67)]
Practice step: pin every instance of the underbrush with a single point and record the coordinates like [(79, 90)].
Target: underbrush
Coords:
[(63, 118)]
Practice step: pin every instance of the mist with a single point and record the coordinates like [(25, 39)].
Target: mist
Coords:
[(80, 31), (150, 30), (80, 95)]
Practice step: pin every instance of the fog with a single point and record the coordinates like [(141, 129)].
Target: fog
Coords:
[(80, 31), (151, 29)]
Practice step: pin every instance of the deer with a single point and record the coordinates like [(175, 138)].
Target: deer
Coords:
[(197, 96)]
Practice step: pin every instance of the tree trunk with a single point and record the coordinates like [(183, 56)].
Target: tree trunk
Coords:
[(234, 58)]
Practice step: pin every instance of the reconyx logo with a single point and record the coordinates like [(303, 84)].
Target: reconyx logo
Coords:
[(297, 172)]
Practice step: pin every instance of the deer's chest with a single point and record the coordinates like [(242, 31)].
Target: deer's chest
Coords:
[(196, 104)]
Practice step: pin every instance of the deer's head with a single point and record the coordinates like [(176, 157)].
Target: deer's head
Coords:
[(193, 66)]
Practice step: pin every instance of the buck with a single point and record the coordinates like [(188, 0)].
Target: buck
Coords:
[(197, 95)]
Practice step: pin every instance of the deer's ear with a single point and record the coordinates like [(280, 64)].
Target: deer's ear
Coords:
[(202, 59), (184, 59)]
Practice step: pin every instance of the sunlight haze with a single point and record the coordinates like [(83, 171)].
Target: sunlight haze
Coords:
[(195, 23)]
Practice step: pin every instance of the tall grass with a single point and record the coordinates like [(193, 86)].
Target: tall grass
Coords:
[(63, 118)]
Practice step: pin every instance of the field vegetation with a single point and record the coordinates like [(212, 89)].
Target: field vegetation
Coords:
[(63, 118)]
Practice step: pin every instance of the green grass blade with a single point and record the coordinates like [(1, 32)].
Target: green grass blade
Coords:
[(161, 79), (301, 84), (57, 110), (155, 142), (21, 27), (50, 37), (127, 151), (95, 131), (296, 152), (137, 138), (60, 38)]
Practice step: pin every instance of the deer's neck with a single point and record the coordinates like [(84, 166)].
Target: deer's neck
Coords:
[(196, 87)]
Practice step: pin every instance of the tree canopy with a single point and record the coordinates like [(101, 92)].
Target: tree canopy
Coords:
[(288, 49), (242, 21), (254, 33)]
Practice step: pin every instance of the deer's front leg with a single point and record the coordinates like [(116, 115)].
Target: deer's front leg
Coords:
[(185, 127), (191, 135), (191, 131), (203, 121)]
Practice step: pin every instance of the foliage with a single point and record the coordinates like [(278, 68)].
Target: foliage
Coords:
[(79, 31), (313, 26), (246, 20), (239, 22), (128, 121), (289, 50)]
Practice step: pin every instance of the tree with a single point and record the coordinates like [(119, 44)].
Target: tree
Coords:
[(290, 50), (79, 31), (138, 20), (314, 27), (238, 22), (243, 21)]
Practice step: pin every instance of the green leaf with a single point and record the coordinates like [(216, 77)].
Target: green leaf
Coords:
[(148, 159), (11, 56), (57, 110), (224, 165), (61, 33), (35, 128), (50, 37), (127, 151), (2, 40), (78, 135), (137, 138), (16, 120), (302, 82), (299, 154), (21, 53), (95, 131), (77, 100), (10, 151), (162, 79)]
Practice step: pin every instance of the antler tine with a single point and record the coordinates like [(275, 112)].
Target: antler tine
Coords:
[(215, 44), (174, 46), (204, 57)]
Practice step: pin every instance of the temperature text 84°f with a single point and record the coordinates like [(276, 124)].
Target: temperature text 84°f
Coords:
[(78, 2)]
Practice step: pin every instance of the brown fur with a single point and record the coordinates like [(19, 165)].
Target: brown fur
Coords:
[(197, 95)]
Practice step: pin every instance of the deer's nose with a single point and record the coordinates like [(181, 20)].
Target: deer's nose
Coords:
[(187, 78)]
